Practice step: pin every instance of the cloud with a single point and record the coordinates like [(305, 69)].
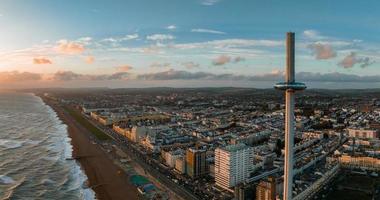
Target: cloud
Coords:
[(230, 43), (277, 72), (322, 51), (90, 59), (111, 39), (352, 59), (171, 27), (71, 76), (69, 47), (209, 2), (173, 75), (335, 77), (160, 65), (221, 60), (238, 59), (201, 30), (41, 61), (121, 39), (124, 68), (275, 75), (15, 76), (313, 35), (84, 40), (190, 65), (130, 37), (224, 59), (160, 37)]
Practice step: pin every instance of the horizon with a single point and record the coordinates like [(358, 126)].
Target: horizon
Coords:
[(129, 44)]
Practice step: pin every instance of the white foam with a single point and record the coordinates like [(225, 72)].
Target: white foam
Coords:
[(6, 179), (47, 181), (10, 144), (88, 194), (76, 171), (32, 142)]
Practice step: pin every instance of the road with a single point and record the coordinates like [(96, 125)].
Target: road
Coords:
[(144, 161)]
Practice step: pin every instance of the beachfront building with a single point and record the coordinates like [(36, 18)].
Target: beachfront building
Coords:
[(196, 162), (150, 142), (180, 165), (171, 157), (134, 133)]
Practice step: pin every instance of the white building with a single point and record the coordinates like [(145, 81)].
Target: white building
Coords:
[(232, 165), (363, 133), (172, 156)]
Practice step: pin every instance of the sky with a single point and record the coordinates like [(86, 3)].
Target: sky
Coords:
[(187, 43)]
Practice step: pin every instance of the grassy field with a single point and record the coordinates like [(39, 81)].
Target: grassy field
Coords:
[(80, 119)]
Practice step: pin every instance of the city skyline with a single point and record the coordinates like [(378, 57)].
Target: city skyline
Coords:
[(186, 44)]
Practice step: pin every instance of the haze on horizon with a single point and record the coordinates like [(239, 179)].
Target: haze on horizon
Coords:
[(195, 43)]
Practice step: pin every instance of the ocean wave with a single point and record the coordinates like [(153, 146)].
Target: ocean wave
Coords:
[(80, 178), (10, 144), (47, 181), (32, 142), (12, 189), (88, 194), (6, 180), (36, 150)]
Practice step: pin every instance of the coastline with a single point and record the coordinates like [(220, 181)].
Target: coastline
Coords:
[(105, 178)]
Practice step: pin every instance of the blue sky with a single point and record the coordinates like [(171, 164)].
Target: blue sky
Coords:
[(166, 41)]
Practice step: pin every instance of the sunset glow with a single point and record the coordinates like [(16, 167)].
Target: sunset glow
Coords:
[(183, 41)]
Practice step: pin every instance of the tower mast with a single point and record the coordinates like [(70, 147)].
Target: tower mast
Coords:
[(290, 87)]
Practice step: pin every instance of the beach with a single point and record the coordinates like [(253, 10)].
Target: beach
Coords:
[(107, 179)]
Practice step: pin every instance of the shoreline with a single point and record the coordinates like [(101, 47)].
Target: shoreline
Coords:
[(105, 178)]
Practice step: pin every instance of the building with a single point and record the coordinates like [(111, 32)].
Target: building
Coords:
[(266, 190), (362, 162), (134, 134), (171, 157), (363, 133), (196, 162), (232, 165), (180, 165)]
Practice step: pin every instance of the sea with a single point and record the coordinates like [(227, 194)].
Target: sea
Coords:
[(34, 147)]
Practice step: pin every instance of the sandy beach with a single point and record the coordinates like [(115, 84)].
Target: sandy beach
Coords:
[(107, 179)]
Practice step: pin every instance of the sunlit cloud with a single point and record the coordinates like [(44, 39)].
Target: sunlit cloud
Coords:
[(352, 59), (221, 60), (322, 51), (124, 68), (15, 76), (190, 65), (172, 74), (89, 59), (160, 65), (41, 60), (224, 59), (72, 76), (69, 47)]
